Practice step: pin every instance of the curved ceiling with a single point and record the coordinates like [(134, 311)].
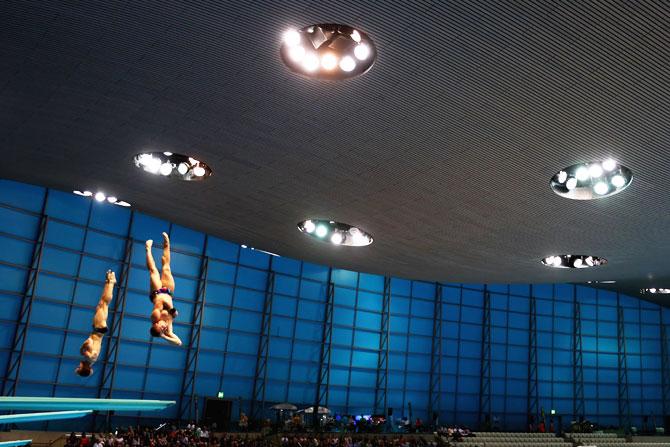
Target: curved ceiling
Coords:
[(443, 150)]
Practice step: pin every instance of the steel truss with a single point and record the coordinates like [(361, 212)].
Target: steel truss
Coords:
[(577, 360), (533, 400), (435, 383), (323, 376), (381, 387), (624, 401), (485, 369), (261, 373)]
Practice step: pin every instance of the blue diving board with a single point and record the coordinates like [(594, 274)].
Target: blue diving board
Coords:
[(49, 416), (67, 403), (15, 443)]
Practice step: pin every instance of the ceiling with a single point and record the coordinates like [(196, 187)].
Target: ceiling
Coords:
[(443, 150)]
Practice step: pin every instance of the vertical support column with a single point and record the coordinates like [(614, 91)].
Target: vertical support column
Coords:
[(323, 377), (485, 370), (577, 361), (12, 374), (533, 405), (665, 366), (624, 401), (109, 360), (436, 357), (187, 396), (261, 374), (381, 387)]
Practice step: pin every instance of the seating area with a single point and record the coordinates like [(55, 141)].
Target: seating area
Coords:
[(502, 439)]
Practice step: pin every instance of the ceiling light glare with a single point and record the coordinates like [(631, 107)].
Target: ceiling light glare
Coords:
[(618, 181), (362, 51), (296, 53), (79, 193), (582, 173), (122, 203), (595, 170), (173, 165), (328, 61), (316, 51), (166, 169), (609, 165), (321, 230), (292, 38), (112, 199), (573, 261), (656, 290), (336, 238), (589, 181), (100, 197), (340, 233), (601, 188), (87, 193), (310, 62), (347, 64), (309, 226)]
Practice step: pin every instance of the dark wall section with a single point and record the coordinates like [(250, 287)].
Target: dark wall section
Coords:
[(248, 297)]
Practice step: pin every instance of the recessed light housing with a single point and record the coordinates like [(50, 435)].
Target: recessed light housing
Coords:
[(336, 233), (654, 290), (573, 261), (101, 197), (328, 51), (169, 164), (594, 180)]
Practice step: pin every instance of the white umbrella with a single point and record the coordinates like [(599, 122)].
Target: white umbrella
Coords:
[(284, 406)]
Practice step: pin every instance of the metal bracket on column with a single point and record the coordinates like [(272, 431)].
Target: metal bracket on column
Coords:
[(12, 373), (381, 387)]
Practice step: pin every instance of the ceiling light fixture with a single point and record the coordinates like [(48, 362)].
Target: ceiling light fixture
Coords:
[(101, 197), (169, 164), (654, 290), (328, 51), (594, 180), (573, 261), (337, 233), (608, 281)]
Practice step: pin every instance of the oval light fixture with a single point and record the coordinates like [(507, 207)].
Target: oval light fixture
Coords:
[(336, 233), (169, 164), (328, 51), (573, 261), (101, 197), (594, 180), (654, 291)]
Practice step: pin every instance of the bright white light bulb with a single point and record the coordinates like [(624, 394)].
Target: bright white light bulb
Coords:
[(562, 177), (652, 290), (577, 263), (347, 63), (153, 165), (595, 171), (182, 168), (571, 183), (79, 193), (166, 169), (356, 36), (362, 51), (310, 62), (296, 54), (359, 239), (601, 188), (167, 154), (557, 261), (122, 203), (292, 38), (582, 173), (144, 159), (609, 165), (336, 238), (321, 230), (309, 226), (549, 260), (112, 199), (87, 193), (589, 261), (618, 181), (328, 61), (100, 197), (199, 171)]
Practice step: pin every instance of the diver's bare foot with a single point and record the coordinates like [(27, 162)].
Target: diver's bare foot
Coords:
[(110, 277), (149, 244), (166, 238)]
